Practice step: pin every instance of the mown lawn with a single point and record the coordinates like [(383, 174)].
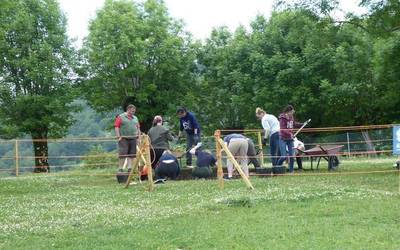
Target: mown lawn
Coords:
[(290, 212)]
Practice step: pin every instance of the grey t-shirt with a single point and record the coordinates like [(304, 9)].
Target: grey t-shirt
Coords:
[(159, 137)]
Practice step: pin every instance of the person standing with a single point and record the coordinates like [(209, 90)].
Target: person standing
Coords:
[(127, 130), (287, 123), (271, 128), (238, 146), (188, 122), (160, 138)]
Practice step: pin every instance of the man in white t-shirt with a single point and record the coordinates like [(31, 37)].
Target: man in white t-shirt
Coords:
[(271, 128)]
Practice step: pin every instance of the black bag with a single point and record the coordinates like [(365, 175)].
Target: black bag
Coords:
[(264, 172)]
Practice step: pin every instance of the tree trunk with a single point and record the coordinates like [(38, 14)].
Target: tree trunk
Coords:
[(41, 151)]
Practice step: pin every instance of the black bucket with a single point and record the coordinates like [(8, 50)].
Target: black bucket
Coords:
[(122, 177), (278, 170), (264, 172)]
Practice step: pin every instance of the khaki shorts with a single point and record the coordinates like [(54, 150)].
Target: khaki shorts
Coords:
[(127, 148)]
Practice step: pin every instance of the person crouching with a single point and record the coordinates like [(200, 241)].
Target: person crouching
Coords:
[(204, 163), (168, 166)]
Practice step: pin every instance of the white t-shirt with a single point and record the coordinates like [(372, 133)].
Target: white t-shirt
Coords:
[(298, 144), (270, 124)]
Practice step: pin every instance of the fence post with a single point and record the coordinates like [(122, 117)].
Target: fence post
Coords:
[(16, 158), (148, 162), (220, 172), (348, 145), (260, 145)]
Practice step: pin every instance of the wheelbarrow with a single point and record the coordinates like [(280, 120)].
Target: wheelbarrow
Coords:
[(327, 152)]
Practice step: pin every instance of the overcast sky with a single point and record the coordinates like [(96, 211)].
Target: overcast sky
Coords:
[(200, 16)]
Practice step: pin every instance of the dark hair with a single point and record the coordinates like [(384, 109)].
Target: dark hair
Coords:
[(181, 110), (288, 108)]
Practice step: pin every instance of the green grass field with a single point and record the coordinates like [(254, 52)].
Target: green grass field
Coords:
[(77, 210)]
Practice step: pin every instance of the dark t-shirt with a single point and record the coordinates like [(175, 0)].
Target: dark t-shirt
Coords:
[(204, 159)]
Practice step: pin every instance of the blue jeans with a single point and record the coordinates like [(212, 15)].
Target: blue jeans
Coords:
[(274, 148), (285, 154), (191, 140)]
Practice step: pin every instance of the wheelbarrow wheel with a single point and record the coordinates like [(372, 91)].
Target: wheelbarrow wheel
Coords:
[(333, 163)]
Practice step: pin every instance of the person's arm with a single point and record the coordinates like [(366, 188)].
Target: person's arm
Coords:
[(169, 136), (283, 127), (180, 128), (195, 124), (297, 124), (117, 125), (139, 133), (266, 127), (213, 161)]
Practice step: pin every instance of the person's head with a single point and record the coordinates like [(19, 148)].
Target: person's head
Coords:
[(157, 120), (289, 110), (181, 112), (130, 109), (260, 113)]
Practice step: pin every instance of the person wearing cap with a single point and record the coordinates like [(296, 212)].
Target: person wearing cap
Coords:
[(188, 122), (167, 166), (160, 138), (238, 146), (127, 130), (205, 161), (271, 128)]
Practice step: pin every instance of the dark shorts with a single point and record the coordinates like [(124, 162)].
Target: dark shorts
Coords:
[(127, 148)]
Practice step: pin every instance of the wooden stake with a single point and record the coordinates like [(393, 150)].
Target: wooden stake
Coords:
[(220, 171), (146, 145), (260, 145), (237, 166), (134, 167), (16, 158)]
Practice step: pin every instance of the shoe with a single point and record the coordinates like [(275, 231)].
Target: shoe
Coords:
[(133, 183), (189, 166), (160, 181), (227, 178)]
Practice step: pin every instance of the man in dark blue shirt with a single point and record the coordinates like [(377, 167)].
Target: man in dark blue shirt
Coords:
[(188, 123), (205, 160)]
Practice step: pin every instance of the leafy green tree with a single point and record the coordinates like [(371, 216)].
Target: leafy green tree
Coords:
[(138, 54), (35, 72)]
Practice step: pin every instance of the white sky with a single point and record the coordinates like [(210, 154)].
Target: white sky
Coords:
[(200, 16)]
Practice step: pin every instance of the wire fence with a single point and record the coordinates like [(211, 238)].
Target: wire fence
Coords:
[(70, 153)]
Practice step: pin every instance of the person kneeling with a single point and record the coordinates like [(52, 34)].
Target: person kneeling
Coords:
[(168, 167), (205, 161)]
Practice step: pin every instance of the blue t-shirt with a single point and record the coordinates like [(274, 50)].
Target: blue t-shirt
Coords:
[(228, 138), (167, 156), (204, 159), (189, 123)]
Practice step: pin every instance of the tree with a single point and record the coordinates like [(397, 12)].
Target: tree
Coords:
[(136, 53), (35, 72)]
